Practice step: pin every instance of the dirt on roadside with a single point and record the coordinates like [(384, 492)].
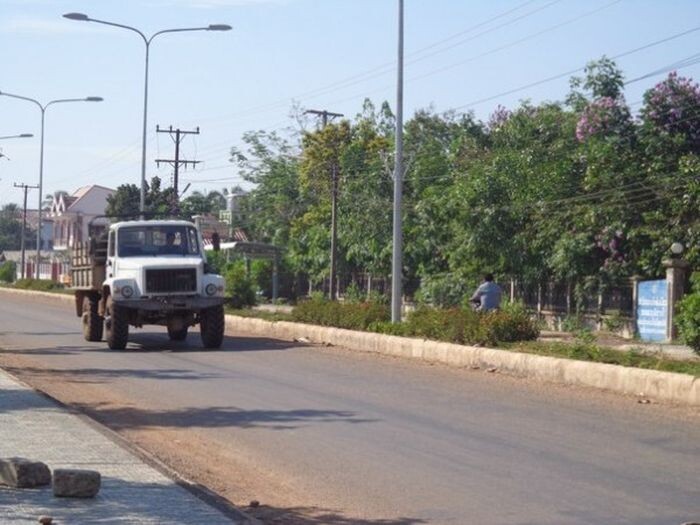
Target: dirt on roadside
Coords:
[(186, 455)]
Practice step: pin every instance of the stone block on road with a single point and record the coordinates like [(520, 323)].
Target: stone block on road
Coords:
[(73, 483), (23, 473)]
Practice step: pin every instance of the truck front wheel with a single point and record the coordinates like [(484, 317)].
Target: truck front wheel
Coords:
[(211, 326), (116, 325), (92, 322)]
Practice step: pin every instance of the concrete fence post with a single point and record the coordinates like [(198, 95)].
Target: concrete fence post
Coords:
[(635, 299), (676, 278)]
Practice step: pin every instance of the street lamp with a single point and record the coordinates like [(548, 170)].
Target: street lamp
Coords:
[(20, 136), (43, 108), (81, 17), (397, 244)]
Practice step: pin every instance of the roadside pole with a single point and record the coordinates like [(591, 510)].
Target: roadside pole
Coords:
[(26, 188)]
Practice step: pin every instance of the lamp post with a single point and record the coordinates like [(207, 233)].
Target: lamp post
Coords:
[(43, 108), (20, 136), (81, 17), (397, 245), (677, 249)]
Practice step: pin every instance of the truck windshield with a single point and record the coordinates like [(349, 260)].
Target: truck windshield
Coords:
[(144, 241)]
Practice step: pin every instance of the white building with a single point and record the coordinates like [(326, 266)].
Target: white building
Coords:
[(72, 214)]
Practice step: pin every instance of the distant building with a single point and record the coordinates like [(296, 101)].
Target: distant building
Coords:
[(72, 214), (233, 214), (46, 230)]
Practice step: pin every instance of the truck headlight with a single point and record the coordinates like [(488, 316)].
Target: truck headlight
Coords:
[(210, 289), (126, 291)]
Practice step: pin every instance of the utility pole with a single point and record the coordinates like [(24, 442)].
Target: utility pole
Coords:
[(396, 258), (26, 188), (177, 135), (324, 114)]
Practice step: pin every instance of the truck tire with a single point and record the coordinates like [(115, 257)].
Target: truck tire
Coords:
[(92, 322), (177, 335), (211, 325), (116, 325)]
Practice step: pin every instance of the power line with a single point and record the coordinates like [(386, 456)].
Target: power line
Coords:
[(384, 68), (576, 70)]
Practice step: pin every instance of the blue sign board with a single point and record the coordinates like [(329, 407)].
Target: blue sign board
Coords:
[(652, 310)]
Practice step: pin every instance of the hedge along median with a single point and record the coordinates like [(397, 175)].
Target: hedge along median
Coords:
[(666, 386)]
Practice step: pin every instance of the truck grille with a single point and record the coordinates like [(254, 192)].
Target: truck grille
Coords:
[(176, 280)]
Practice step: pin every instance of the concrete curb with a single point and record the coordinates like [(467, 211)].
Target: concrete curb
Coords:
[(663, 386), (44, 297)]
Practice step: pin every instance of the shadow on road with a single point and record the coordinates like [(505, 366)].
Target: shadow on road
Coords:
[(104, 375), (157, 342), (63, 333), (318, 516), (132, 418)]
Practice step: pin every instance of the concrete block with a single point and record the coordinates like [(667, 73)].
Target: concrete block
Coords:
[(73, 483), (23, 473)]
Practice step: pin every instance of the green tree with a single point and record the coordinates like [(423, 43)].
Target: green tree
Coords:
[(126, 200), (198, 203), (11, 228)]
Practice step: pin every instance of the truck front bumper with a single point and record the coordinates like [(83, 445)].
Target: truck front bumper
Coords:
[(170, 303)]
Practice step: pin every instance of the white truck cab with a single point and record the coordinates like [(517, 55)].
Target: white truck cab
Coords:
[(147, 272)]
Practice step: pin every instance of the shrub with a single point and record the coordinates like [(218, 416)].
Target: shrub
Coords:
[(443, 290), (239, 288), (8, 271), (354, 294), (42, 285), (614, 322), (689, 316), (354, 316), (216, 261), (466, 326), (572, 323), (511, 323), (457, 325)]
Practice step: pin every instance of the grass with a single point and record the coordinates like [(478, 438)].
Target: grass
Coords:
[(259, 314), (40, 285), (585, 351)]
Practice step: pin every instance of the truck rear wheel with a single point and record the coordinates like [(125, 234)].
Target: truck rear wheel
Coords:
[(116, 325), (211, 325), (92, 322)]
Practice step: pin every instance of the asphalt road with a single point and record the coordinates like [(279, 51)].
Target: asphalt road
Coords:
[(326, 435)]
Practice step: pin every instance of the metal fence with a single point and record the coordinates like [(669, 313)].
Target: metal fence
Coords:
[(566, 298)]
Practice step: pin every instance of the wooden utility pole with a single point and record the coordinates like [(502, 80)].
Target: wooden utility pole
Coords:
[(324, 114), (177, 135), (26, 188)]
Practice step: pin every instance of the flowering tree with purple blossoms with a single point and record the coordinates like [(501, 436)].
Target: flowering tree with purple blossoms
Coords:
[(673, 107), (499, 117), (605, 115)]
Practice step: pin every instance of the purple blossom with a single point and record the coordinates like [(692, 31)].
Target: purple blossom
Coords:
[(499, 117), (602, 116), (673, 106)]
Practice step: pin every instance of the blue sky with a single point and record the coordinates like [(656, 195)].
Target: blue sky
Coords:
[(325, 54)]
